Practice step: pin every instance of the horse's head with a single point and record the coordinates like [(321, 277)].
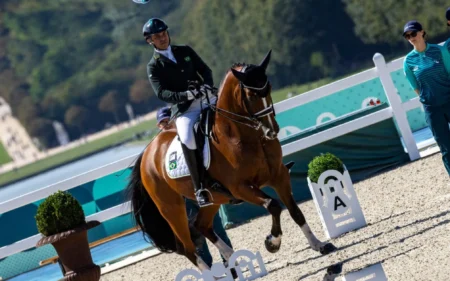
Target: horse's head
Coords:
[(255, 90)]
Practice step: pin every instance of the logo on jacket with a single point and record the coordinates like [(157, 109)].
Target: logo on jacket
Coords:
[(188, 58)]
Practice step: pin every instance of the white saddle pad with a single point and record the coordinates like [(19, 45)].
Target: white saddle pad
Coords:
[(175, 162)]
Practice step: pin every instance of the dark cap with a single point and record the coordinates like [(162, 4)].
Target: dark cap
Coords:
[(412, 26), (163, 113), (447, 15)]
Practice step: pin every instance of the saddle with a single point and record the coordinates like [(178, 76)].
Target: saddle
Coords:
[(175, 162)]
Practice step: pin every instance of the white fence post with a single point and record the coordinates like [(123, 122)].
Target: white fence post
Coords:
[(396, 105)]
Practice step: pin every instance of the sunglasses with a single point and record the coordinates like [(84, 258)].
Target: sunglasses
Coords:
[(410, 35)]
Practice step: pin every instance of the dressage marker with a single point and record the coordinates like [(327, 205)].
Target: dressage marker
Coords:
[(371, 273), (241, 261), (336, 202)]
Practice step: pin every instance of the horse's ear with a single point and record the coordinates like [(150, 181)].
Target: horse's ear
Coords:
[(239, 75), (266, 60)]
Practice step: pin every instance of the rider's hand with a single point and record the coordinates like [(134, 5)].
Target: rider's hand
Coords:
[(205, 89), (193, 94), (193, 84)]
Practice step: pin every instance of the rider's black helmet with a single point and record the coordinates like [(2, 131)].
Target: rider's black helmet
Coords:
[(153, 26)]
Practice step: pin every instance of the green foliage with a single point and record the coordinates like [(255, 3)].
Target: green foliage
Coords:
[(383, 21), (60, 54), (58, 213), (322, 163), (113, 103), (78, 117), (43, 129)]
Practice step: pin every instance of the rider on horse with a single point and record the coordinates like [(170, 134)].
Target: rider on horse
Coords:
[(171, 72)]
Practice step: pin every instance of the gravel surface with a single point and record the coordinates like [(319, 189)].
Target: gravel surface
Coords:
[(408, 214)]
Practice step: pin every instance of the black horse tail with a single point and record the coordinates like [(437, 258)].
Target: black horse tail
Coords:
[(147, 215)]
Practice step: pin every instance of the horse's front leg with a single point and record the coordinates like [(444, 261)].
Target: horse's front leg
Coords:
[(254, 195), (282, 186)]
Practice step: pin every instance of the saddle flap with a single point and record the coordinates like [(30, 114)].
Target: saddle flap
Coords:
[(175, 162)]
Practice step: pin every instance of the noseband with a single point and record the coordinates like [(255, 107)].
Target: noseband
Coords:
[(254, 118)]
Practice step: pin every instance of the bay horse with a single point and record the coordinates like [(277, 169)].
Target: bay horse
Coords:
[(245, 156)]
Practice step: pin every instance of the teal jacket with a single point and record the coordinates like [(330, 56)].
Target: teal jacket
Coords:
[(428, 72)]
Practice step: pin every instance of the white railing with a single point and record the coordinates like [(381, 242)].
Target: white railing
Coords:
[(396, 110)]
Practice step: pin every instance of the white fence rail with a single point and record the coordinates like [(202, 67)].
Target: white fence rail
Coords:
[(396, 110)]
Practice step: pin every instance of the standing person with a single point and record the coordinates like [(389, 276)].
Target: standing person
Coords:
[(171, 71), (163, 118), (427, 69)]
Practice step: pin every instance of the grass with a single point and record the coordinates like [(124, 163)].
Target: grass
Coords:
[(4, 156), (75, 153)]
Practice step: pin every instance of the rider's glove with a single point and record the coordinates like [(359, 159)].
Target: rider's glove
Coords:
[(205, 89), (193, 94)]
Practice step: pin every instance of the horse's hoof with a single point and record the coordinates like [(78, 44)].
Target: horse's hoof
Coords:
[(271, 247), (333, 272), (327, 248), (334, 269)]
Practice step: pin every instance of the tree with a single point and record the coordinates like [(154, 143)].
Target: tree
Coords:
[(43, 129), (383, 21), (29, 110), (141, 91), (112, 102), (52, 108), (78, 117)]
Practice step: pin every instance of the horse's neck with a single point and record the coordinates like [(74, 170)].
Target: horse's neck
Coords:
[(228, 124)]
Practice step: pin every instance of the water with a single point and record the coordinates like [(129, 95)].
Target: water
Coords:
[(67, 171)]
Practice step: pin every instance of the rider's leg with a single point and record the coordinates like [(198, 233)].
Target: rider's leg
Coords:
[(185, 126)]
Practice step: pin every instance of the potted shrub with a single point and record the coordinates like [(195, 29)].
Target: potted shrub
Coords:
[(323, 163), (334, 196), (60, 219)]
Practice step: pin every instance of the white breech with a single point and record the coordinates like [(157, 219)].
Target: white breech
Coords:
[(186, 121)]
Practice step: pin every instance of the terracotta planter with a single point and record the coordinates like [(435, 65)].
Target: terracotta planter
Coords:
[(73, 250)]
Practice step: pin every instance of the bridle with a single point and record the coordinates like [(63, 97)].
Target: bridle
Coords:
[(253, 120)]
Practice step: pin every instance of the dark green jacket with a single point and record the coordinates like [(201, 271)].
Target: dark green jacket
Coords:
[(170, 80)]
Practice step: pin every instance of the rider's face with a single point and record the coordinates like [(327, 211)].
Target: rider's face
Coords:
[(160, 40)]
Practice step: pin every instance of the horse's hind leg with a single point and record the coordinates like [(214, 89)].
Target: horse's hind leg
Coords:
[(176, 216), (204, 223), (284, 191)]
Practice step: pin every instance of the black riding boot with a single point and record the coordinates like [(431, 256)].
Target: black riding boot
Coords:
[(197, 171)]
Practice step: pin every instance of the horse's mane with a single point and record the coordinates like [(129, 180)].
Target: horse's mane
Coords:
[(234, 66), (239, 64)]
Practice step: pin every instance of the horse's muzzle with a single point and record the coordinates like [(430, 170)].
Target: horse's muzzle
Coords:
[(269, 134)]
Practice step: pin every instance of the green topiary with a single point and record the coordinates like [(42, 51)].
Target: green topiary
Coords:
[(58, 213), (322, 163)]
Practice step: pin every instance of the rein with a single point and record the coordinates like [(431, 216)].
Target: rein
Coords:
[(251, 121)]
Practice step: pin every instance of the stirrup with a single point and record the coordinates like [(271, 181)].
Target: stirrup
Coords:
[(202, 203)]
